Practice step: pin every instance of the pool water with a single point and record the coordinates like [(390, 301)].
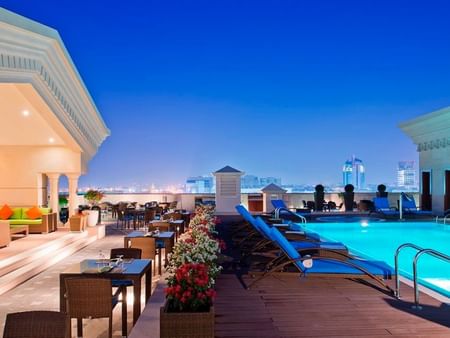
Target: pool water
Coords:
[(379, 240)]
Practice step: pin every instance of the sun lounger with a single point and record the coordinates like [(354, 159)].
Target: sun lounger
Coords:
[(382, 206), (325, 266), (313, 243), (409, 206)]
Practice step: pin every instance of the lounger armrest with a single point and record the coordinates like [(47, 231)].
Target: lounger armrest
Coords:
[(281, 225), (295, 232)]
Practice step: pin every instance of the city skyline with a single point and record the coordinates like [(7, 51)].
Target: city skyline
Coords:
[(285, 89), (406, 171)]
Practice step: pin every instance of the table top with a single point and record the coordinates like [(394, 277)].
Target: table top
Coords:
[(162, 234), (177, 221), (91, 267)]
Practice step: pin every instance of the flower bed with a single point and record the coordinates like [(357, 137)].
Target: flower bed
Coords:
[(193, 264), (193, 270)]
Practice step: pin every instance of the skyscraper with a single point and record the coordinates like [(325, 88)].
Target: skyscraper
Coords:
[(353, 172), (406, 174), (200, 184)]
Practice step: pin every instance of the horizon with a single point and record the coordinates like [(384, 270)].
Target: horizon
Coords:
[(287, 90)]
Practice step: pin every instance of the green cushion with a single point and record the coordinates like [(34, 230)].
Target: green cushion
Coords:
[(25, 221), (17, 213), (45, 211), (24, 213)]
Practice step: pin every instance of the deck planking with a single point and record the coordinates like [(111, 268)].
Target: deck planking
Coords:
[(286, 306)]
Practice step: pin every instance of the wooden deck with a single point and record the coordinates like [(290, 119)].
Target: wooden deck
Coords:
[(287, 306)]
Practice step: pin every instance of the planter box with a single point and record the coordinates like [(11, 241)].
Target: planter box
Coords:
[(186, 324)]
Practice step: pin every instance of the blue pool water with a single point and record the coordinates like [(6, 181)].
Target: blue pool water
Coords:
[(379, 240)]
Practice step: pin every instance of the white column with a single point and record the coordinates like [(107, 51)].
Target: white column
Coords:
[(73, 187), (53, 179)]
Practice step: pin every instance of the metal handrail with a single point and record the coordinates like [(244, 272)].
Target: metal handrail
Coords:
[(430, 252), (277, 214), (397, 253)]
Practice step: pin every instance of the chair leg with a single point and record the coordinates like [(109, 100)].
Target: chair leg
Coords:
[(110, 326), (124, 311), (79, 327)]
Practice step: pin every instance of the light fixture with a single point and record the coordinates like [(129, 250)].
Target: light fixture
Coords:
[(25, 113), (51, 140)]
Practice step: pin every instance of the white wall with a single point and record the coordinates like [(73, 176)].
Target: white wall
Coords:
[(22, 167), (438, 161)]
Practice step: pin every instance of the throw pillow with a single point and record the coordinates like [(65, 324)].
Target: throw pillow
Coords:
[(34, 213), (5, 212)]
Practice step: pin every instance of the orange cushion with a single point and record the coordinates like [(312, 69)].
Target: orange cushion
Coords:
[(5, 212), (34, 213)]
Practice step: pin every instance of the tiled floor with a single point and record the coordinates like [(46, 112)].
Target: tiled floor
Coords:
[(42, 291)]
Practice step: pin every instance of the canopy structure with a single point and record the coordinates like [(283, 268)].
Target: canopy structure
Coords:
[(49, 125)]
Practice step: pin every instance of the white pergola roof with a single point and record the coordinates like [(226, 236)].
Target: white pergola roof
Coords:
[(36, 67)]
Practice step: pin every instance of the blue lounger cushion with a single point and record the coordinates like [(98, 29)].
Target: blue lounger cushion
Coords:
[(321, 245), (327, 266)]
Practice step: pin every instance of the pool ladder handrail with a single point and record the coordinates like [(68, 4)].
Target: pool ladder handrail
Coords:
[(397, 253), (420, 252), (278, 210), (446, 216), (437, 254)]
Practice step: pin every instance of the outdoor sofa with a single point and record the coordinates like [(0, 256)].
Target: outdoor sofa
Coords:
[(45, 223)]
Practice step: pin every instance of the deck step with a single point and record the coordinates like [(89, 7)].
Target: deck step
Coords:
[(14, 262), (29, 263)]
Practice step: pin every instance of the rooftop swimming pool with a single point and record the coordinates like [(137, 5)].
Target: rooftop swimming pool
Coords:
[(379, 240)]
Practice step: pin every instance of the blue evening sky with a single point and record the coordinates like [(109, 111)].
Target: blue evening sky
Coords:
[(274, 88)]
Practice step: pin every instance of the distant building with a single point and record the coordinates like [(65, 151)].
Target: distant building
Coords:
[(249, 182), (406, 174), (265, 181), (354, 173), (200, 184)]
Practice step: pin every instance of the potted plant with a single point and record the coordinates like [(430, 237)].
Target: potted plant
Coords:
[(319, 197), (381, 191), (63, 210), (193, 266), (349, 197), (188, 311), (93, 197)]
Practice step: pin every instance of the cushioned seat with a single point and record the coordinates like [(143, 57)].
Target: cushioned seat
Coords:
[(25, 221), (325, 266), (45, 220), (322, 245)]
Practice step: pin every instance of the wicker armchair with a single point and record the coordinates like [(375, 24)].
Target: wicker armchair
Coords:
[(126, 253), (92, 298), (162, 226), (148, 248), (172, 216), (36, 324)]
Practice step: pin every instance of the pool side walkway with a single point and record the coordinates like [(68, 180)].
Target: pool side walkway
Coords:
[(287, 306)]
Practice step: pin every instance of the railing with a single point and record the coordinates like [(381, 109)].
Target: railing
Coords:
[(397, 253), (278, 210), (430, 252), (446, 216), (421, 251)]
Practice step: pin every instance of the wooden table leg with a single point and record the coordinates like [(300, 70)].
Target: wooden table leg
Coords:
[(62, 292), (148, 284), (137, 299), (125, 242), (160, 260)]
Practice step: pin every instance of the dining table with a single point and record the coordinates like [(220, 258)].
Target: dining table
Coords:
[(166, 237), (176, 226), (130, 269)]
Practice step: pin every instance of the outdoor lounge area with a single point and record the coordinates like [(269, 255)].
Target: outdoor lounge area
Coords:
[(108, 230)]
